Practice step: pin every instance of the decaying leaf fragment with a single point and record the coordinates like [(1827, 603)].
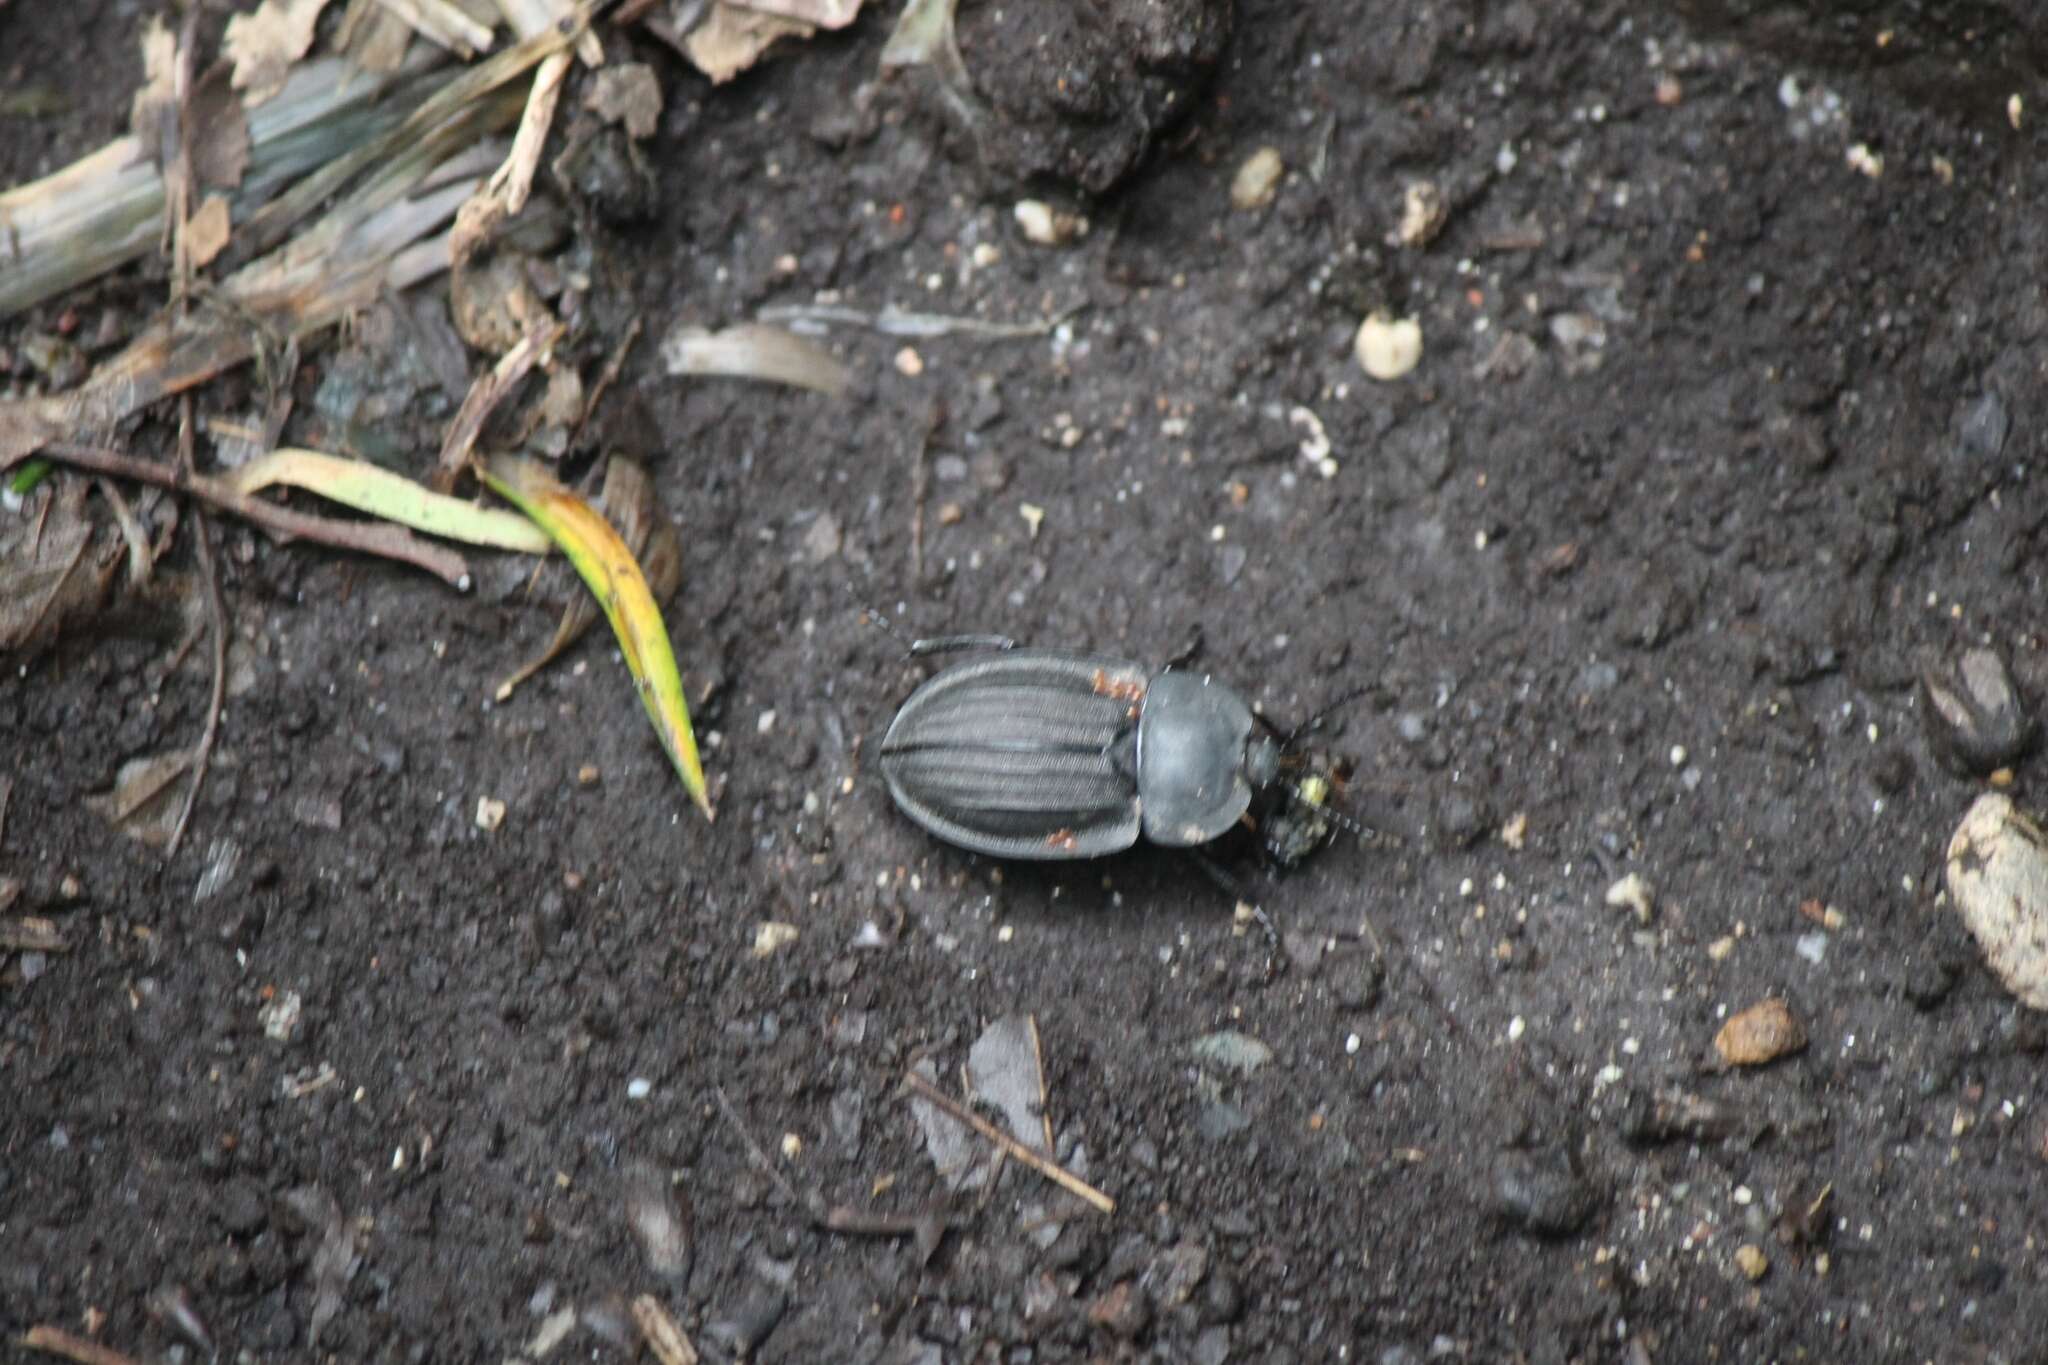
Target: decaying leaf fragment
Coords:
[(146, 797), (629, 95), (54, 569), (608, 568), (732, 38), (752, 350), (263, 44)]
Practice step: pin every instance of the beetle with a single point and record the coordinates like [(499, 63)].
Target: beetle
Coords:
[(1044, 754)]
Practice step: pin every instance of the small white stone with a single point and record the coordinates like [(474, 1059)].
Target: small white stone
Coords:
[(1998, 881), (490, 813), (1633, 893), (1516, 1028), (771, 936), (1258, 179), (765, 724), (639, 1088), (1389, 348), (1047, 226)]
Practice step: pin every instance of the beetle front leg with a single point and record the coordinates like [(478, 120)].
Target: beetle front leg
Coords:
[(1236, 891)]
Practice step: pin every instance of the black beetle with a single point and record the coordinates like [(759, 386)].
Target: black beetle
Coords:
[(1036, 753)]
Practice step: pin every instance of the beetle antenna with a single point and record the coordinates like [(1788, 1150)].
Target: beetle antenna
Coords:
[(1315, 722)]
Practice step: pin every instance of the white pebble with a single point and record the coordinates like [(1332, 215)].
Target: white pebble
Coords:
[(1042, 223), (1389, 348), (639, 1088), (1258, 179)]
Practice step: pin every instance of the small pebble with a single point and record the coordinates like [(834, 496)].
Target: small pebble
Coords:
[(909, 363), (1975, 718), (1762, 1033), (772, 936), (1040, 222), (1389, 348), (1423, 212), (1541, 1193), (490, 813), (1634, 893), (1258, 179), (1752, 1262)]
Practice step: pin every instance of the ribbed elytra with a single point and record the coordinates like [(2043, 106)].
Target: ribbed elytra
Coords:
[(1024, 754)]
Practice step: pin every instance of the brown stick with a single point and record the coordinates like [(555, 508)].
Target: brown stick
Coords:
[(489, 390), (1045, 1166), (58, 1342), (210, 575), (374, 538)]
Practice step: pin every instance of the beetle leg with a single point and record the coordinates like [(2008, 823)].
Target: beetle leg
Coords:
[(1236, 891), (1189, 650), (1315, 722)]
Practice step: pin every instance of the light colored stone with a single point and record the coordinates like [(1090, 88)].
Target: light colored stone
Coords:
[(1998, 879)]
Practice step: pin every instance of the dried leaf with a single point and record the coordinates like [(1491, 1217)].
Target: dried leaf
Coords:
[(220, 132), (752, 350), (52, 574), (393, 497), (628, 95), (732, 39), (147, 797), (157, 101), (630, 505), (615, 580), (206, 231), (823, 13), (263, 45)]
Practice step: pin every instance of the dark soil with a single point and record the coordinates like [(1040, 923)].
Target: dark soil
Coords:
[(1714, 442)]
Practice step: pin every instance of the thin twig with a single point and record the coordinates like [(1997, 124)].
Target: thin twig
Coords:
[(836, 1218), (664, 1338), (374, 538), (755, 1150), (485, 393), (58, 1342), (1045, 1166), (210, 577), (606, 377)]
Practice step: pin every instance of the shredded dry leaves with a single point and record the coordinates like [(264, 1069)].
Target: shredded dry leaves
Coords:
[(264, 44), (732, 38)]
